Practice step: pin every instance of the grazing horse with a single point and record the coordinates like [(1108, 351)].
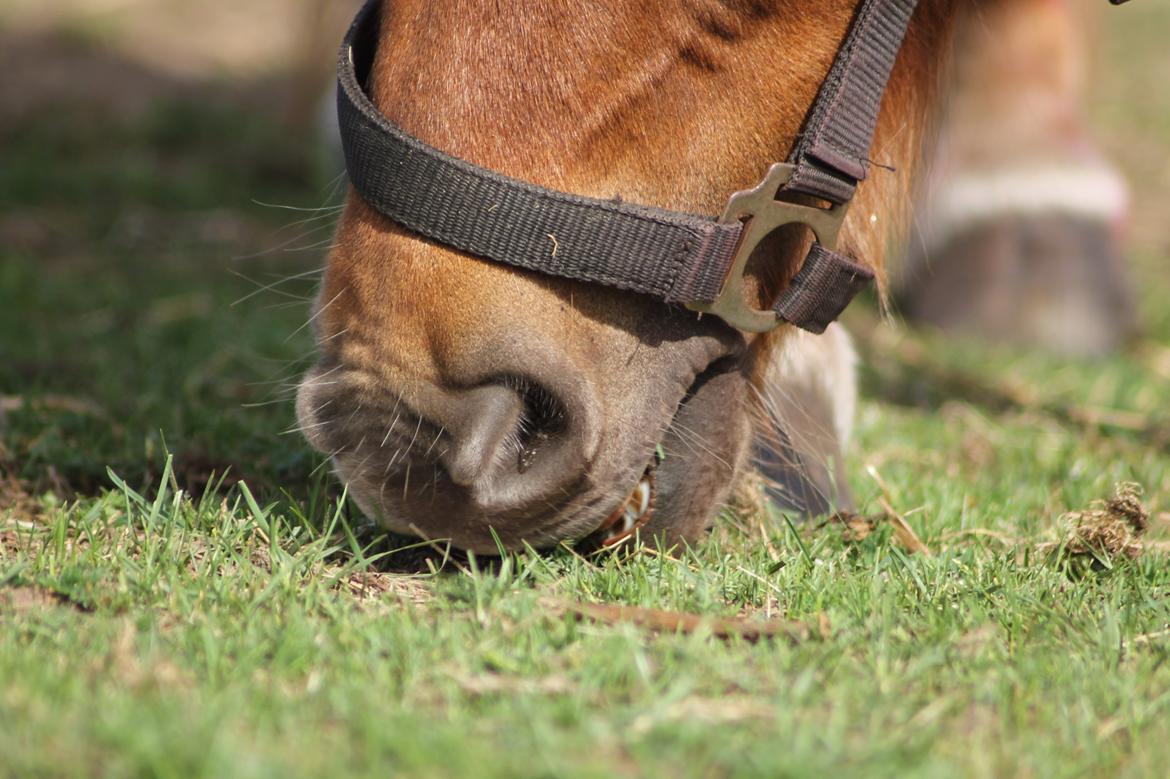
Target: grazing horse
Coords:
[(470, 401)]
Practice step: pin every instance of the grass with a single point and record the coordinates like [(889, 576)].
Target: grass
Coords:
[(185, 592)]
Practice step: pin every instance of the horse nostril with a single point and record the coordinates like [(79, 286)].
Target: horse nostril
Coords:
[(517, 441), (543, 419), (490, 414)]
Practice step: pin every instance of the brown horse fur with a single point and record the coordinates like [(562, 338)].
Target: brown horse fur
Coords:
[(440, 373)]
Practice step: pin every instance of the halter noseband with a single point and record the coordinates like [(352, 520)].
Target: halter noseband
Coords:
[(678, 257)]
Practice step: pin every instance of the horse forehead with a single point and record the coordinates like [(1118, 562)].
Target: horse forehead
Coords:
[(464, 74), (615, 103)]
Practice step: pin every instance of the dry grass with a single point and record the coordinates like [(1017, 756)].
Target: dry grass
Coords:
[(1106, 532)]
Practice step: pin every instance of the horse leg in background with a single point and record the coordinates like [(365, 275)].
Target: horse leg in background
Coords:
[(806, 407), (1018, 231)]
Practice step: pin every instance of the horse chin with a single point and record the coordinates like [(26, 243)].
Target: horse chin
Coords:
[(684, 483), (702, 450)]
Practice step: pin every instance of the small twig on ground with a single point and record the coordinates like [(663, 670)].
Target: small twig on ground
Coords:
[(73, 405), (902, 530), (857, 528), (660, 621), (1003, 538), (1147, 638)]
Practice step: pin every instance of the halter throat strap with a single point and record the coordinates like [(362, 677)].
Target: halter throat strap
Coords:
[(698, 261)]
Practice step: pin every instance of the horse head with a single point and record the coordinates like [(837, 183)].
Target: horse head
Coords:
[(467, 400)]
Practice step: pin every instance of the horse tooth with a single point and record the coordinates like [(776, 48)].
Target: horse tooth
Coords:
[(643, 493)]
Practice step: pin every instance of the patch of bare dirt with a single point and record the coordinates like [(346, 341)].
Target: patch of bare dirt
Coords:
[(504, 684), (16, 500), (45, 70), (24, 599), (373, 585), (134, 669), (178, 37), (68, 403)]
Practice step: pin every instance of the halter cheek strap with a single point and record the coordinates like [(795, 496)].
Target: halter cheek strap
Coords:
[(677, 257)]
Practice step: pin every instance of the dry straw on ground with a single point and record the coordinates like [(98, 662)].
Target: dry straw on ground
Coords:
[(1107, 532), (662, 621)]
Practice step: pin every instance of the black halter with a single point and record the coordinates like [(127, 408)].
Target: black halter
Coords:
[(678, 257)]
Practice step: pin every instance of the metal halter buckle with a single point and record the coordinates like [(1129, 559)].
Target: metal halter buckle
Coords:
[(761, 214)]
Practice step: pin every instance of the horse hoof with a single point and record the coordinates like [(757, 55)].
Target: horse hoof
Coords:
[(1052, 281)]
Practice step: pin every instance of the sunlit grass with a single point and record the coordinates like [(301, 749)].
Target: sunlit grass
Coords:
[(185, 591)]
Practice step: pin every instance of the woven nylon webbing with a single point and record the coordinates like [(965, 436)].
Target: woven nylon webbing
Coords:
[(832, 153), (821, 289), (674, 256)]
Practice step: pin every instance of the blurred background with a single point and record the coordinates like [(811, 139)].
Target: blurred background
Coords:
[(167, 200), (163, 207)]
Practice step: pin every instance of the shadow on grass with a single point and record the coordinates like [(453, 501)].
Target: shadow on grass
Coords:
[(151, 301)]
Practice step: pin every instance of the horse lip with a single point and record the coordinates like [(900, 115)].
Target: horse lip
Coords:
[(617, 528), (631, 515)]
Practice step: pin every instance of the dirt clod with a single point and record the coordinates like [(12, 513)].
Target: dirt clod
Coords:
[(1107, 531)]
